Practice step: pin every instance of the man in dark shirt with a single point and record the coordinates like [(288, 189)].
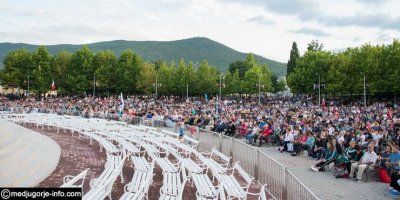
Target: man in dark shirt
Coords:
[(231, 130)]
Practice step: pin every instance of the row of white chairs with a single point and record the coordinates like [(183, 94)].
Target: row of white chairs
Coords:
[(158, 145)]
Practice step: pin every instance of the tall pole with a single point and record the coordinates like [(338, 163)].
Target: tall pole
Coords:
[(319, 90), (365, 94), (259, 90), (28, 84), (94, 84), (156, 86), (187, 91), (220, 85)]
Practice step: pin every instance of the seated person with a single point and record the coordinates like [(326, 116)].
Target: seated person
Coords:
[(393, 164), (346, 157), (300, 144), (253, 133), (384, 157), (329, 157), (394, 189), (231, 130), (319, 148), (369, 158), (288, 138), (264, 135)]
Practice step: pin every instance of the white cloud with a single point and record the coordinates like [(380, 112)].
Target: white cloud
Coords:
[(265, 27)]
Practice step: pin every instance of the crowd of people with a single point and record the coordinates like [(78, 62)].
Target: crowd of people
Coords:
[(348, 138)]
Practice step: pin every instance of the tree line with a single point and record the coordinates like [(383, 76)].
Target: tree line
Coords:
[(342, 73), (78, 73)]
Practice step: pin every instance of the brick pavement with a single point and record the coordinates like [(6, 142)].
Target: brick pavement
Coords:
[(78, 154), (324, 184)]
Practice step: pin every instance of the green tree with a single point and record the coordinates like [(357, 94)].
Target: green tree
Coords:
[(314, 45), (18, 65), (81, 71), (147, 77), (233, 84), (294, 56), (239, 66), (106, 72), (41, 74), (207, 79), (129, 64), (59, 69)]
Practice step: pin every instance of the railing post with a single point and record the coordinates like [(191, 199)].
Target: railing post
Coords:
[(220, 142), (285, 183), (231, 149), (256, 163)]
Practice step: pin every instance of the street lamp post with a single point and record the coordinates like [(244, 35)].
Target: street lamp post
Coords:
[(259, 90), (156, 85), (259, 85), (319, 90), (187, 92), (365, 93), (94, 84), (28, 84), (220, 85)]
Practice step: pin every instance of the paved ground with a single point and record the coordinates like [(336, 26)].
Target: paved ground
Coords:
[(21, 156), (324, 184), (78, 154)]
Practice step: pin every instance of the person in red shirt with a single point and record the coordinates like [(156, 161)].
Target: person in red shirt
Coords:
[(264, 135)]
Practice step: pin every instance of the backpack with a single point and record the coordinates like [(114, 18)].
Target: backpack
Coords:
[(383, 175)]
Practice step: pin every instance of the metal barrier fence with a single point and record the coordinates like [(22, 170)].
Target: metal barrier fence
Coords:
[(281, 183)]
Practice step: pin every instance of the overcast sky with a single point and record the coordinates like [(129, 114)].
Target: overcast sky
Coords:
[(264, 27)]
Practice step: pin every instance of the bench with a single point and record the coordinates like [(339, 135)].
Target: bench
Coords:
[(188, 140), (70, 181), (167, 166), (172, 186), (231, 185), (139, 186), (140, 163), (215, 167), (262, 195), (101, 187), (140, 194), (205, 188), (222, 157), (187, 163)]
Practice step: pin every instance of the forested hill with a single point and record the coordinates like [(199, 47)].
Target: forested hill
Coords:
[(193, 49)]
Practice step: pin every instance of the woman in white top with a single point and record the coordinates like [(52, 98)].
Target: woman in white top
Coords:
[(289, 137)]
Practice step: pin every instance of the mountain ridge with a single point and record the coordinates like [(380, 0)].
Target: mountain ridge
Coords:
[(194, 49)]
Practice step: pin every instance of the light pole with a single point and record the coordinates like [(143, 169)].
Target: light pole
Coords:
[(365, 93), (187, 92), (94, 84), (156, 85), (319, 90), (28, 84), (220, 85), (259, 85)]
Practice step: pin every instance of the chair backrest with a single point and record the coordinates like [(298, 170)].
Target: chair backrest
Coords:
[(221, 192), (81, 176), (222, 156), (243, 173), (262, 196), (180, 195)]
